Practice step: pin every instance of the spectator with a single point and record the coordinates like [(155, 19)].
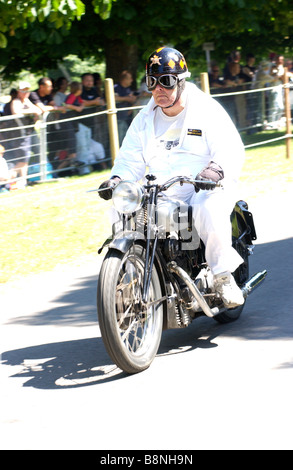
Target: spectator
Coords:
[(215, 80), (60, 93), (233, 69), (95, 124), (7, 107), (66, 156), (263, 79), (56, 135), (124, 98), (98, 83), (276, 100), (5, 173), (21, 105), (289, 65), (233, 77), (248, 74), (43, 98), (97, 155), (249, 70), (89, 152), (10, 136), (143, 95), (90, 98), (89, 93), (73, 101)]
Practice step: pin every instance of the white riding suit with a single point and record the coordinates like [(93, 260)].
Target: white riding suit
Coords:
[(182, 146)]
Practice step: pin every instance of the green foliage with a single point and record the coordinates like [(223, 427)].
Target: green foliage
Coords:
[(90, 28), (18, 14), (75, 67), (103, 8)]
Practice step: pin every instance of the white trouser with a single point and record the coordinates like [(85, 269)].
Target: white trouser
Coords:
[(211, 212), (211, 215)]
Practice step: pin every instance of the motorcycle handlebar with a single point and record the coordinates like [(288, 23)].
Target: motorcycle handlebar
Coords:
[(172, 181), (186, 179)]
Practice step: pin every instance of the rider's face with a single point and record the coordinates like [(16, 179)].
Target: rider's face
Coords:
[(163, 96)]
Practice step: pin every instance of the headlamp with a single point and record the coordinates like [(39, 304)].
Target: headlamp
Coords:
[(127, 197)]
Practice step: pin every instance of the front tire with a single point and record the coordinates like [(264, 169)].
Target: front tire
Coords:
[(131, 330)]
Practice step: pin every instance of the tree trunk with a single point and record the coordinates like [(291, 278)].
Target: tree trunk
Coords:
[(120, 56)]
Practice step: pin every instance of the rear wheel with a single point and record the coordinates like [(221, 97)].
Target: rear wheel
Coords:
[(131, 329)]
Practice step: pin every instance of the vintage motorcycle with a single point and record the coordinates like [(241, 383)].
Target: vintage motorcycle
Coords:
[(155, 276)]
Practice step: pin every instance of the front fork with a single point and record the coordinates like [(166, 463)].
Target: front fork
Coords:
[(151, 244)]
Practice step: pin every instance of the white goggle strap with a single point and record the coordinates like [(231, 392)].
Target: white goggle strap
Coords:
[(184, 75)]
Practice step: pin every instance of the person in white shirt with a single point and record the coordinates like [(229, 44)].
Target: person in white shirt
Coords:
[(22, 106), (183, 131)]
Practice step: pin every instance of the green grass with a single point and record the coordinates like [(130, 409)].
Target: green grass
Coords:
[(58, 223), (50, 224), (266, 168)]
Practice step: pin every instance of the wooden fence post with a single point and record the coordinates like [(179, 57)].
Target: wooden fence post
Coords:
[(204, 80), (112, 118)]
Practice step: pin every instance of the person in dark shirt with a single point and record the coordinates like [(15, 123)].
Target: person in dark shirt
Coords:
[(43, 98), (89, 93), (249, 70), (233, 75), (125, 98), (7, 107), (215, 80)]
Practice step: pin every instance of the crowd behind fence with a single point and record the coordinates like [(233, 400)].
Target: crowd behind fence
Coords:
[(46, 143)]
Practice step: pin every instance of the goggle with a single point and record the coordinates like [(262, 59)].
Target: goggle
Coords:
[(166, 81)]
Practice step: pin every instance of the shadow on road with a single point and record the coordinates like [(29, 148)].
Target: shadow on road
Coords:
[(78, 363), (65, 364), (76, 307), (84, 362)]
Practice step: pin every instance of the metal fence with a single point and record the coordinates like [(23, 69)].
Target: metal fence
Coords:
[(253, 110), (56, 144), (77, 143)]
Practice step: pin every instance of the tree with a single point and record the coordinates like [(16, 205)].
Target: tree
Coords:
[(19, 14), (124, 32)]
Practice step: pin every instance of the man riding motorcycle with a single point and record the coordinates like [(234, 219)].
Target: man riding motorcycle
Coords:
[(183, 131)]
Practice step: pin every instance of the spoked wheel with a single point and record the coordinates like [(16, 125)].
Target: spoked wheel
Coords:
[(131, 329)]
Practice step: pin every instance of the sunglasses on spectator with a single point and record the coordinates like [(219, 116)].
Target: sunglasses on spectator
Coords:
[(24, 91), (168, 81)]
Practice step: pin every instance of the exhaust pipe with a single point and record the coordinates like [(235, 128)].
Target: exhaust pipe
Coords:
[(209, 312), (253, 283), (248, 287)]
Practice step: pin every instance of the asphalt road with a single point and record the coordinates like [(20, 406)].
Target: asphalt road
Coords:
[(210, 387)]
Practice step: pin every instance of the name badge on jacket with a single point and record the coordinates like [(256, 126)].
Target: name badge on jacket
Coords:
[(197, 132)]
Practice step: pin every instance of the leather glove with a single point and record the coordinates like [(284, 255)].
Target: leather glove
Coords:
[(108, 187), (212, 172)]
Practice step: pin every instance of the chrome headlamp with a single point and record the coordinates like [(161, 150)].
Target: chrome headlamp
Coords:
[(127, 197)]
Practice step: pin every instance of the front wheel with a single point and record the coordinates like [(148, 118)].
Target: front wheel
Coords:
[(131, 329)]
